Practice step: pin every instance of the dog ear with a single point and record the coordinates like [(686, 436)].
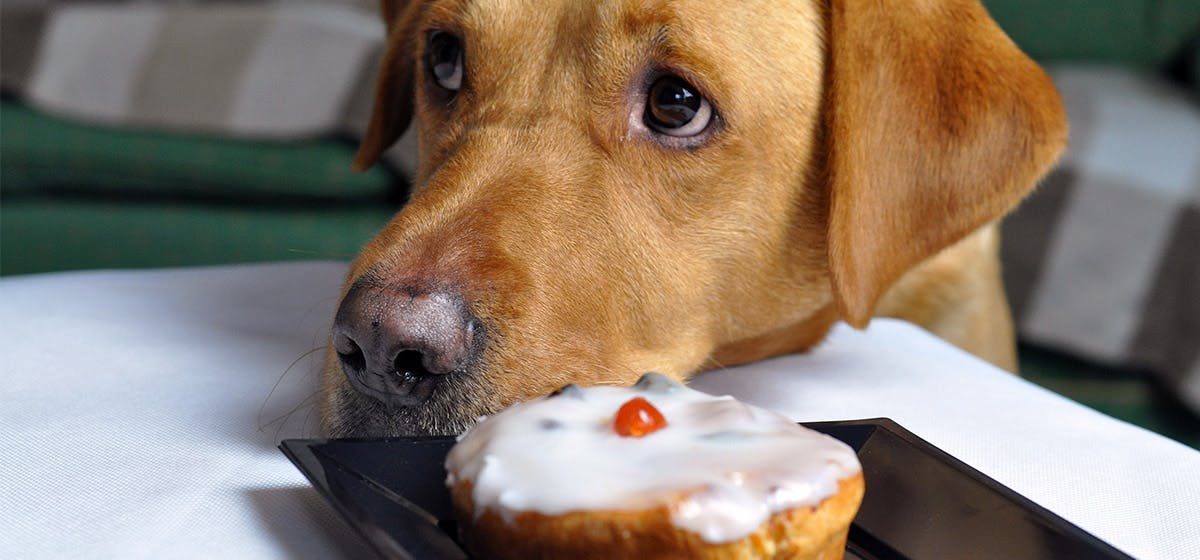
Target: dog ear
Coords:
[(393, 107), (937, 124)]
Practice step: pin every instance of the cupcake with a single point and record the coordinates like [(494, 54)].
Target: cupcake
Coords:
[(657, 470)]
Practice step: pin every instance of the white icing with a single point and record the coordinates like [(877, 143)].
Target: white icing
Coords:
[(724, 466)]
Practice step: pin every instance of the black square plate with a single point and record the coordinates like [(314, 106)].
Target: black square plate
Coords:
[(921, 503)]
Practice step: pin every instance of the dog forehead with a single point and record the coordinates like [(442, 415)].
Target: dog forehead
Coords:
[(705, 36), (523, 13), (553, 29)]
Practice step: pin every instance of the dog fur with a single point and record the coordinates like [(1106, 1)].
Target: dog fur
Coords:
[(862, 154)]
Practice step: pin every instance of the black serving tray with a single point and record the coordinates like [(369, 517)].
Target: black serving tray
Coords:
[(921, 503)]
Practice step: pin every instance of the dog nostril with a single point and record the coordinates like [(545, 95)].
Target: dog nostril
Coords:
[(397, 344), (410, 364), (349, 353)]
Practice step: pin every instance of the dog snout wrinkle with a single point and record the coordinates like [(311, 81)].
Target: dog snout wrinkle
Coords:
[(397, 344)]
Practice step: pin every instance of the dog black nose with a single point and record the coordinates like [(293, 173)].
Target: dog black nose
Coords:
[(397, 344)]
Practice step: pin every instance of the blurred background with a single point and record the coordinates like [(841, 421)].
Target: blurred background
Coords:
[(179, 133)]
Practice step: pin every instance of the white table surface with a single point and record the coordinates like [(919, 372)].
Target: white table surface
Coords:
[(141, 412)]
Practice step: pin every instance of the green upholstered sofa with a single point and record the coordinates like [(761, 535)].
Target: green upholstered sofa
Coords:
[(75, 195)]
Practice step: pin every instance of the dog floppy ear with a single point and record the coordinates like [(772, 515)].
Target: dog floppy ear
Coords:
[(937, 124), (393, 107)]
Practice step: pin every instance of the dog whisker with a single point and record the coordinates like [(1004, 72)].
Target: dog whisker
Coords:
[(308, 416), (262, 408), (281, 420), (313, 254), (712, 363)]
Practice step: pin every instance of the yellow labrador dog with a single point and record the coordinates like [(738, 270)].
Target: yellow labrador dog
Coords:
[(614, 186)]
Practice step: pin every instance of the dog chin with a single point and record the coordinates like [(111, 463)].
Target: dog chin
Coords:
[(352, 415)]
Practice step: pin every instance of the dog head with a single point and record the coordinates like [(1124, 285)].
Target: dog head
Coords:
[(606, 188)]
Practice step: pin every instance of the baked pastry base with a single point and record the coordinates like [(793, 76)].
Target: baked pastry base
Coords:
[(800, 533)]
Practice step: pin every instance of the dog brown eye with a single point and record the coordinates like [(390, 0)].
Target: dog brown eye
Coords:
[(675, 108), (445, 60)]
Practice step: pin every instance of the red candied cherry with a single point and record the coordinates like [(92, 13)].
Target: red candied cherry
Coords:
[(637, 418)]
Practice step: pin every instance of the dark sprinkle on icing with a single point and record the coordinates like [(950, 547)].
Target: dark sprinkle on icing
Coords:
[(571, 390), (549, 424), (726, 435), (654, 382)]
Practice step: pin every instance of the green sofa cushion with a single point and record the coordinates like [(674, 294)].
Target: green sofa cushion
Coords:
[(56, 233), (41, 153), (1140, 33)]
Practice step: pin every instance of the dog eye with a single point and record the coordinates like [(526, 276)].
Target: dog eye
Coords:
[(445, 60), (675, 108)]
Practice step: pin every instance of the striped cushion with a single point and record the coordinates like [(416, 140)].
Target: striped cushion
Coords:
[(275, 70), (63, 233), (1103, 261), (40, 154)]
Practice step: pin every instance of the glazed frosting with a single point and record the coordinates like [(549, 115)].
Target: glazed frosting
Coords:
[(722, 466)]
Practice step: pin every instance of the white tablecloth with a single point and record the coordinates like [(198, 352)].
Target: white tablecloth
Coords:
[(140, 413)]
